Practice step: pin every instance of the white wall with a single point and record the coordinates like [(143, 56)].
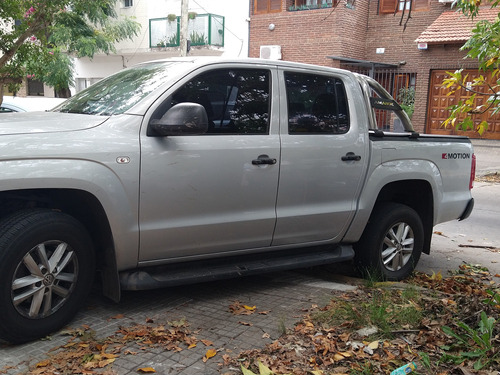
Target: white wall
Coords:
[(236, 13)]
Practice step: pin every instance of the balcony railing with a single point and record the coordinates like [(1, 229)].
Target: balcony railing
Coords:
[(203, 30), (312, 4)]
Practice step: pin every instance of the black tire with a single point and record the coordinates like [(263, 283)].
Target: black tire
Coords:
[(392, 242), (47, 266)]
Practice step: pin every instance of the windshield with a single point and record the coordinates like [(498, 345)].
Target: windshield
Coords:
[(119, 92)]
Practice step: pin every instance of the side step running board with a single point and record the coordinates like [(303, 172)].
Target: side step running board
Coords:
[(231, 266)]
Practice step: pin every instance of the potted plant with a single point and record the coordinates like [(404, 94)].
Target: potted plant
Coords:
[(172, 17)]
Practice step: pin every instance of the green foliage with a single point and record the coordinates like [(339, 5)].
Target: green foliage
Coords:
[(366, 368), (386, 309), (494, 299), (471, 7), (406, 98), (483, 47), (479, 343), (198, 38), (425, 360), (462, 112), (44, 31)]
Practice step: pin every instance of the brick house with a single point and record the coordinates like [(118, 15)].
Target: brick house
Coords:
[(370, 37)]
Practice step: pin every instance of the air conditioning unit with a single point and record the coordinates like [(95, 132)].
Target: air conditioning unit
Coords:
[(446, 1), (270, 52)]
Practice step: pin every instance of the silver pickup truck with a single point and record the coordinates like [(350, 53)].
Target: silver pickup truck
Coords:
[(180, 171)]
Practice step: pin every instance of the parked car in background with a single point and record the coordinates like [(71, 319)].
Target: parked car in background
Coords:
[(28, 104)]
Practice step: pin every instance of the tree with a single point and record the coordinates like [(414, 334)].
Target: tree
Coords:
[(483, 45), (38, 36)]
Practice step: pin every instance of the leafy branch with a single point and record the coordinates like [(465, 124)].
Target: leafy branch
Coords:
[(483, 47)]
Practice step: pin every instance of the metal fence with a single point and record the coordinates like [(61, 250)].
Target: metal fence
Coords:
[(401, 85)]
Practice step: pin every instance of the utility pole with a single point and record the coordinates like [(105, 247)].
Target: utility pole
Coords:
[(184, 26)]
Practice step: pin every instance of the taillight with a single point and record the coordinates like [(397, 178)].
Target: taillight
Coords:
[(472, 172)]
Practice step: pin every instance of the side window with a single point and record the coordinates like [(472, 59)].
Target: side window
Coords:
[(388, 115), (317, 104), (237, 101)]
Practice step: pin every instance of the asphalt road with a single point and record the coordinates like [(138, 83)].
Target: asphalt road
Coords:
[(477, 239)]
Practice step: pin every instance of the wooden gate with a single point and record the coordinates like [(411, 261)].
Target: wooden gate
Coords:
[(439, 103)]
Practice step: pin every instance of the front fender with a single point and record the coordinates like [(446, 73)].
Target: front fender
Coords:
[(117, 197)]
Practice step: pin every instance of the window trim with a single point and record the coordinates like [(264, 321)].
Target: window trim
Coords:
[(268, 7), (391, 6)]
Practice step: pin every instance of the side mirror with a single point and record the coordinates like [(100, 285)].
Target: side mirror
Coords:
[(181, 119)]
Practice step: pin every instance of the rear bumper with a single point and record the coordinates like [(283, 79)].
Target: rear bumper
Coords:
[(467, 210)]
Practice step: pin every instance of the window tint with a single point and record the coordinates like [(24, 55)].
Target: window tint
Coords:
[(316, 104), (237, 101)]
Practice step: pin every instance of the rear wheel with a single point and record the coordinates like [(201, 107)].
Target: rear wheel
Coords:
[(392, 242), (46, 271)]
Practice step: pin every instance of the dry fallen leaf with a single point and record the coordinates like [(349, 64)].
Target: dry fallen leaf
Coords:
[(207, 342), (43, 363), (209, 354), (239, 309), (146, 370)]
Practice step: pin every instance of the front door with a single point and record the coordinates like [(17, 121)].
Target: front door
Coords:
[(206, 194)]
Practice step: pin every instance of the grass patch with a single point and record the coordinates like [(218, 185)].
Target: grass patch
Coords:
[(444, 325), (386, 309)]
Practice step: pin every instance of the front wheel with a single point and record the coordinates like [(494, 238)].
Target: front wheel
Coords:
[(392, 242), (46, 271)]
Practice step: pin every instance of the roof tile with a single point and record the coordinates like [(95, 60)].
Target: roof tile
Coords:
[(454, 27)]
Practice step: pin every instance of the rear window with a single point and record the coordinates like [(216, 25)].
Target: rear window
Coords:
[(317, 104)]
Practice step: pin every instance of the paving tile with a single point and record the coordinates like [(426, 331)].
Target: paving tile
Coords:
[(205, 307)]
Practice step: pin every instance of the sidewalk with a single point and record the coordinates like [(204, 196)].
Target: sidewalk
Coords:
[(280, 299)]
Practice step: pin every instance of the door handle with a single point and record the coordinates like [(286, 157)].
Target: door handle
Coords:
[(351, 156), (264, 159)]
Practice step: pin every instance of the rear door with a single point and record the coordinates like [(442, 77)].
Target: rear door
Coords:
[(323, 158), (216, 192)]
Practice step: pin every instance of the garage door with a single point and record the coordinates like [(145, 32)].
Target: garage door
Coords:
[(439, 102)]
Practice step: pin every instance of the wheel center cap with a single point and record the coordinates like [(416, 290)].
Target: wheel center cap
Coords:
[(48, 279)]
